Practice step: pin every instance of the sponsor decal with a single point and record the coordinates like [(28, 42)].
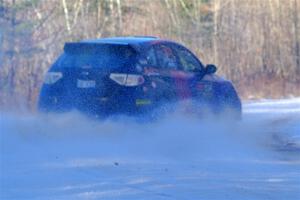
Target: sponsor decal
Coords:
[(141, 102), (181, 74)]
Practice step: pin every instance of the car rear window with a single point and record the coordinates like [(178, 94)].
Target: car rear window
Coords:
[(96, 56)]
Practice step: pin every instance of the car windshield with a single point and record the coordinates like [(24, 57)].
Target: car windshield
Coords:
[(96, 56)]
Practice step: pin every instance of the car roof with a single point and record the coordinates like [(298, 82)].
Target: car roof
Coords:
[(139, 43), (131, 40)]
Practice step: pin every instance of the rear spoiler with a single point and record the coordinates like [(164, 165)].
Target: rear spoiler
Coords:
[(76, 47)]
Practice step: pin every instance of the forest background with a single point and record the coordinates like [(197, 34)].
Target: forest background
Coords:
[(254, 43)]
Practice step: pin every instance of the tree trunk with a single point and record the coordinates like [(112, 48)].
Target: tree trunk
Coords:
[(297, 37), (12, 44), (215, 35), (67, 18)]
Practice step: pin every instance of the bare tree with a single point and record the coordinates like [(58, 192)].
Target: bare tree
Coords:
[(255, 43)]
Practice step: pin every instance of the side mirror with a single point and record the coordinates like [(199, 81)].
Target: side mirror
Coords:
[(210, 69)]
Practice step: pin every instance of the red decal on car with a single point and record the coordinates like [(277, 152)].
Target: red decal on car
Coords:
[(182, 83)]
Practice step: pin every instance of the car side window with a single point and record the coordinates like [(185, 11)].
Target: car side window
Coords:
[(166, 57), (148, 59), (187, 60)]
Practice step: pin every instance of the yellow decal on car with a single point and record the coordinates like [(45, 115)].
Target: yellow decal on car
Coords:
[(140, 102)]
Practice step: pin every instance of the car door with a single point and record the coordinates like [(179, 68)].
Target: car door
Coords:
[(189, 72), (202, 86), (157, 63)]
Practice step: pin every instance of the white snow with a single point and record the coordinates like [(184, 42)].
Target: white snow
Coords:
[(273, 106), (70, 157)]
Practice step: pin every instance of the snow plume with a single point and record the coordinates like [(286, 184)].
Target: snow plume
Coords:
[(175, 138), (70, 156)]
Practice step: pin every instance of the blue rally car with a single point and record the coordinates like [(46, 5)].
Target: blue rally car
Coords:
[(132, 76)]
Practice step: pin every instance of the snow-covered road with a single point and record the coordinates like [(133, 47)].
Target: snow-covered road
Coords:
[(70, 157)]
